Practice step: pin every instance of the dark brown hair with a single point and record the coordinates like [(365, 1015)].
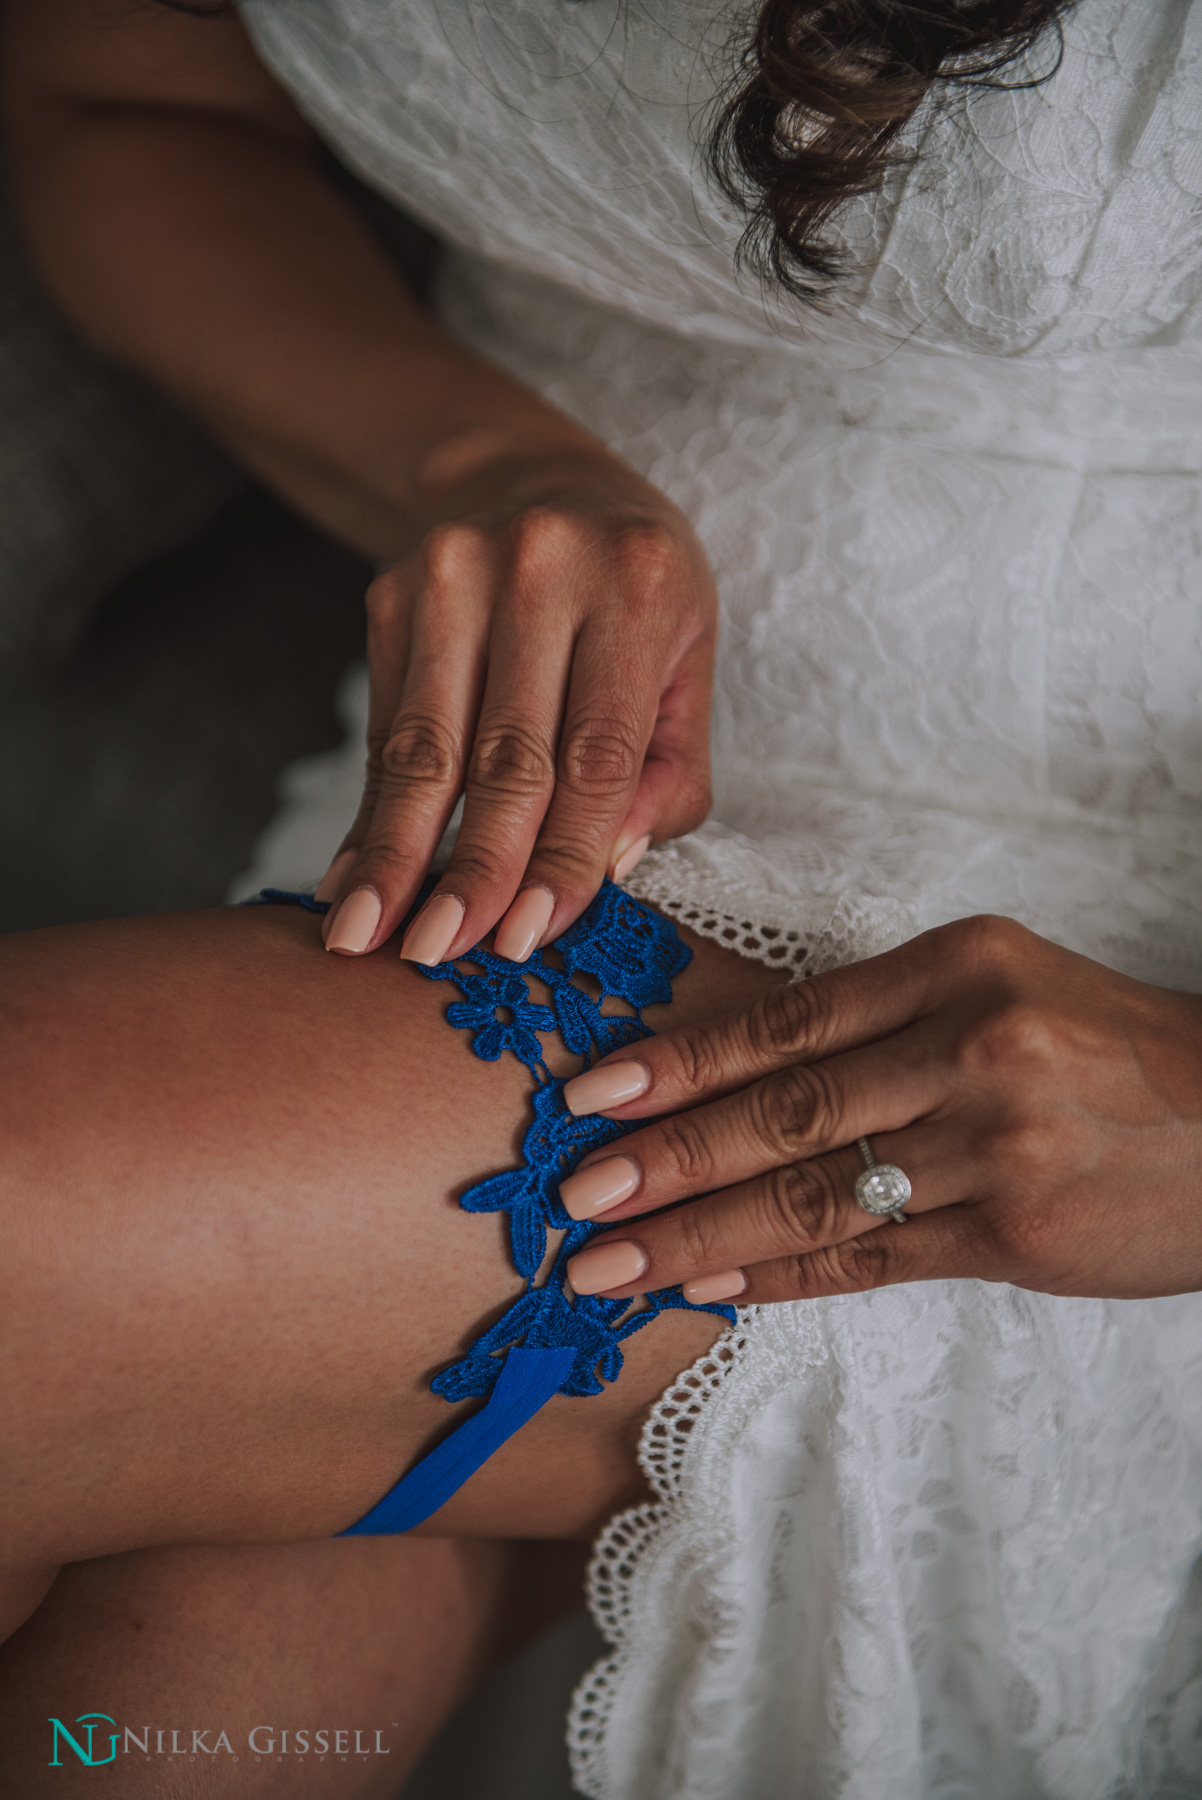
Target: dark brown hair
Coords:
[(823, 90), (821, 93)]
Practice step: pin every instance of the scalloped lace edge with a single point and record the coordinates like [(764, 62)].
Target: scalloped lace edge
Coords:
[(805, 936), (768, 928), (614, 1566)]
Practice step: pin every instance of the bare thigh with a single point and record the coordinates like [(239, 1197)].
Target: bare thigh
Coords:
[(228, 1176), (284, 1670)]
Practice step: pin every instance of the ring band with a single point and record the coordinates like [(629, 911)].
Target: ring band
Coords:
[(882, 1189)]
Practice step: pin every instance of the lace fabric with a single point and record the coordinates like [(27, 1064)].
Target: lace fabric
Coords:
[(933, 1541), (633, 954), (932, 1544)]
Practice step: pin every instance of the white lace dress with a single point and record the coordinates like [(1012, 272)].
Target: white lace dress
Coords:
[(935, 1541)]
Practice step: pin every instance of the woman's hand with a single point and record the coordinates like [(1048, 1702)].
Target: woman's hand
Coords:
[(547, 653), (544, 644), (1047, 1111)]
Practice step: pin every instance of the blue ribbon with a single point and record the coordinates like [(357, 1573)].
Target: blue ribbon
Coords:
[(527, 1381), (633, 953)]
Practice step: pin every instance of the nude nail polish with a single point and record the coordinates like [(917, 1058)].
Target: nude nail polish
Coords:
[(602, 1185), (605, 1266), (524, 924), (327, 887), (598, 1089), (433, 931), (354, 923), (630, 858), (707, 1288)]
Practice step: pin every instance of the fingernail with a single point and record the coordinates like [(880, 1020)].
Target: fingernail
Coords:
[(599, 1089), (354, 923), (606, 1266), (327, 887), (630, 858), (595, 1189), (433, 931), (524, 923), (714, 1287)]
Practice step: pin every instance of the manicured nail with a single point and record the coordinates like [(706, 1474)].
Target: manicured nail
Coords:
[(433, 931), (524, 923), (630, 858), (595, 1189), (354, 923), (714, 1287), (599, 1089), (606, 1266), (327, 887)]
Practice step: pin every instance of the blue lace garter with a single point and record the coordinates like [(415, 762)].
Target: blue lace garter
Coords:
[(550, 1341)]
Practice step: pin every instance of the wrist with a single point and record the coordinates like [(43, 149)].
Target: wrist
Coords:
[(490, 473), (526, 460)]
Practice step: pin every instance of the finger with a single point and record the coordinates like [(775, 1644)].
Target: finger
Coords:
[(613, 692), (953, 1243), (792, 1211), (417, 755), (673, 794), (788, 1117), (388, 603), (814, 1194), (510, 776), (800, 1021)]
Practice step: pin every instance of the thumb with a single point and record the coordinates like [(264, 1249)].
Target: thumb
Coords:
[(673, 793)]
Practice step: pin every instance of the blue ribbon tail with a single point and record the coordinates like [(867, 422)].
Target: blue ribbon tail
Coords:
[(527, 1381)]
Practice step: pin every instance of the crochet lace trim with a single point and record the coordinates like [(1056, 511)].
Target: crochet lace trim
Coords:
[(804, 934), (614, 1568), (806, 937)]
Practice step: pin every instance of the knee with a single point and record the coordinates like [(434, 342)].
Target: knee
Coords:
[(23, 1587)]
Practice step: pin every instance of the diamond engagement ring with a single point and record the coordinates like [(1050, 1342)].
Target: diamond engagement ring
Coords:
[(882, 1189)]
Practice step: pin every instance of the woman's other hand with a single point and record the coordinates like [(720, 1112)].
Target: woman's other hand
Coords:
[(543, 642), (546, 653), (1047, 1112)]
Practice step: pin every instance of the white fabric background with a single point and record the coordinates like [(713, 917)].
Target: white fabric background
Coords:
[(932, 1542)]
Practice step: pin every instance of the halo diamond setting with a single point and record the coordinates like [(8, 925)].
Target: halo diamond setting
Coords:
[(883, 1190)]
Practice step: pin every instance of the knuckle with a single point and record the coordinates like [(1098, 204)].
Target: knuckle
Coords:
[(648, 556), (791, 1108), (1019, 1035), (686, 1154), (451, 550), (570, 867), (780, 1111), (543, 541), (600, 756), (697, 1054), (983, 941), (510, 759), (845, 1268), (1026, 1234), (420, 752), (385, 596), (479, 865), (1023, 1153), (787, 1018), (699, 1236), (865, 1262), (801, 1205), (383, 864)]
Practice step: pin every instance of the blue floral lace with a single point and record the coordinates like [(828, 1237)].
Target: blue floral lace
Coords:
[(633, 954)]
